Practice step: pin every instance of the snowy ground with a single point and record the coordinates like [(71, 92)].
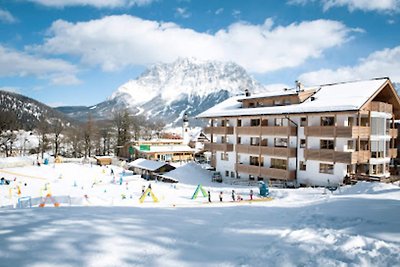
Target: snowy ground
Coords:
[(95, 226)]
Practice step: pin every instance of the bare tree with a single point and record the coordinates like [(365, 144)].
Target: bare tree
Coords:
[(42, 131), (122, 123), (57, 128)]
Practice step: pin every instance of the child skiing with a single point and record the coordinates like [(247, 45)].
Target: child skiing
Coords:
[(220, 196)]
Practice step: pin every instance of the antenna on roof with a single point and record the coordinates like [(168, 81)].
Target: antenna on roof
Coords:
[(247, 92)]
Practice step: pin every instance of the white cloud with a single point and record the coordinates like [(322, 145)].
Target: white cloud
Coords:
[(219, 11), (365, 5), (236, 13), (115, 42), (94, 3), (378, 64), (182, 12), (15, 63), (7, 17)]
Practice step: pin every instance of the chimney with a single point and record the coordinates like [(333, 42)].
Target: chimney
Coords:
[(247, 92), (298, 86)]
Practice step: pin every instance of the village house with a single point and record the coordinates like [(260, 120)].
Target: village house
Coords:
[(306, 136)]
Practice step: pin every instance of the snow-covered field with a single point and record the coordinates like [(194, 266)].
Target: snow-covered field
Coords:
[(102, 223)]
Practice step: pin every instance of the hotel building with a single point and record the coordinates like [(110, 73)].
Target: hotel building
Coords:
[(310, 136)]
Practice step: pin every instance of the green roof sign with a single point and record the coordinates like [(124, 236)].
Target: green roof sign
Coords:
[(144, 147)]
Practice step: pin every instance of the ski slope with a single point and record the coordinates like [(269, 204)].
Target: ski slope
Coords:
[(100, 223)]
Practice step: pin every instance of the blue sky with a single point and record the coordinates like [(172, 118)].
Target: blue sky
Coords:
[(77, 52)]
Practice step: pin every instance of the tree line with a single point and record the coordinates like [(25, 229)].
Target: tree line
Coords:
[(92, 137)]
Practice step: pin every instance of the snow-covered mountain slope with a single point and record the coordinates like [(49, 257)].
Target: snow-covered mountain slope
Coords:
[(28, 111), (167, 91), (186, 78)]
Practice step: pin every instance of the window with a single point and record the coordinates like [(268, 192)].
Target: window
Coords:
[(303, 143), (227, 173), (264, 142), (255, 122), (256, 161), (281, 142), (239, 140), (223, 123), (259, 178), (278, 163), (302, 166), (264, 122), (278, 121), (277, 102), (303, 121), (251, 177), (350, 121), (350, 144), (327, 144), (232, 174), (251, 105), (224, 156), (327, 121), (254, 141), (364, 145), (286, 102), (239, 123), (326, 168)]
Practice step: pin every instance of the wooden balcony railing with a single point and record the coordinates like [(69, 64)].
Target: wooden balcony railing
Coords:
[(218, 147), (338, 131), (266, 150), (266, 172), (337, 156), (381, 107), (266, 130), (218, 130), (393, 133), (393, 152)]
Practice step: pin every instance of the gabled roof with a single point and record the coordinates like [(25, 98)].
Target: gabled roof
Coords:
[(146, 164), (347, 96)]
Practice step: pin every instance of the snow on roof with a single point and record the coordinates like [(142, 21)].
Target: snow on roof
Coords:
[(190, 173), (146, 164), (330, 97), (167, 148)]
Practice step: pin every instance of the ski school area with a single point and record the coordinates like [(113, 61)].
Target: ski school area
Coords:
[(74, 214), (73, 184)]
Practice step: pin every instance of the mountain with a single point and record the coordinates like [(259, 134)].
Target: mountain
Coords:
[(167, 90), (28, 111)]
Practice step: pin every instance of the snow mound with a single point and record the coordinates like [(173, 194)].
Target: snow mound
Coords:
[(369, 188), (191, 174)]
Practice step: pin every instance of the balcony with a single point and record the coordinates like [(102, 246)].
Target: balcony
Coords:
[(393, 133), (393, 153), (218, 130), (265, 150), (337, 156), (338, 131), (218, 147), (266, 172), (381, 107), (267, 130)]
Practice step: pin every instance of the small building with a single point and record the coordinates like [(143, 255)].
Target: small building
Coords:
[(103, 160), (149, 169), (169, 150)]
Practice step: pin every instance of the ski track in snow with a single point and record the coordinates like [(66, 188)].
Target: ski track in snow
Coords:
[(358, 226)]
